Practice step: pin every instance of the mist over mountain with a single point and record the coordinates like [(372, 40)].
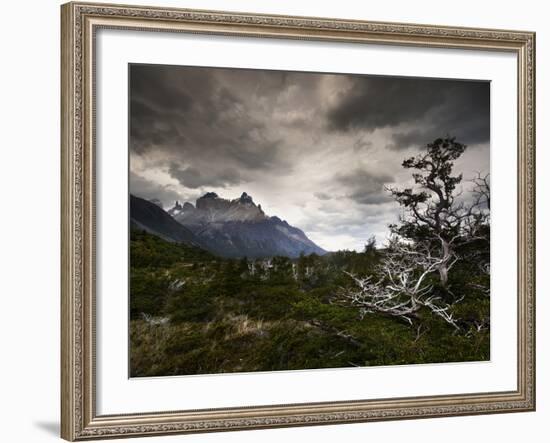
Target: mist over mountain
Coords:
[(232, 228)]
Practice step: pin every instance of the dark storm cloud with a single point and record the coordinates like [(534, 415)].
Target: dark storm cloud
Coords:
[(162, 95), (365, 187), (431, 108), (194, 178), (157, 107), (191, 114)]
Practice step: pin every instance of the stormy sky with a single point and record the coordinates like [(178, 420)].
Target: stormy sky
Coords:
[(314, 149)]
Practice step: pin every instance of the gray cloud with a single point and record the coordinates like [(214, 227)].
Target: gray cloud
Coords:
[(194, 178), (403, 140), (183, 113), (365, 187), (431, 107), (322, 196), (150, 190), (362, 145)]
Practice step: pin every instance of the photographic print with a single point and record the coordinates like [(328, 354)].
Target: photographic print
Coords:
[(295, 220)]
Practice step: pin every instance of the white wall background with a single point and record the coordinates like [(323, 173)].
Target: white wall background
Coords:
[(29, 219)]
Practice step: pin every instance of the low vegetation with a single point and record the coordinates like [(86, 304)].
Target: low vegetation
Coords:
[(193, 313)]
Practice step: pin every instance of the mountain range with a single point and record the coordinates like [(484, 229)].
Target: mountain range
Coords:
[(228, 228)]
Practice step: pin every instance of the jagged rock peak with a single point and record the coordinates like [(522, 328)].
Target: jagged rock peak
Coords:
[(245, 198), (178, 208), (210, 195)]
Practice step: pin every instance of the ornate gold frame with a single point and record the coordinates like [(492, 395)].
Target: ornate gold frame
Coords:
[(79, 420)]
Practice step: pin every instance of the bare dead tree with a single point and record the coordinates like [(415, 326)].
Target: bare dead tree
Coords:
[(477, 228), (475, 216), (482, 190), (477, 327), (402, 290)]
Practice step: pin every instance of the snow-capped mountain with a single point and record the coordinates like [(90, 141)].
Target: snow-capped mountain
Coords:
[(239, 228)]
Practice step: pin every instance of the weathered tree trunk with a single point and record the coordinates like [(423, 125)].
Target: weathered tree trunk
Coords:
[(443, 267), (443, 274)]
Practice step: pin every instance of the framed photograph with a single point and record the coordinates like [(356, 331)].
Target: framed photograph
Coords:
[(282, 221)]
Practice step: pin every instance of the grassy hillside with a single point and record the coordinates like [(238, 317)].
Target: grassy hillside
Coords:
[(194, 313)]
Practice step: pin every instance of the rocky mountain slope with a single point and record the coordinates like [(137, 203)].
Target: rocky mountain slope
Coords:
[(240, 228), (149, 217)]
